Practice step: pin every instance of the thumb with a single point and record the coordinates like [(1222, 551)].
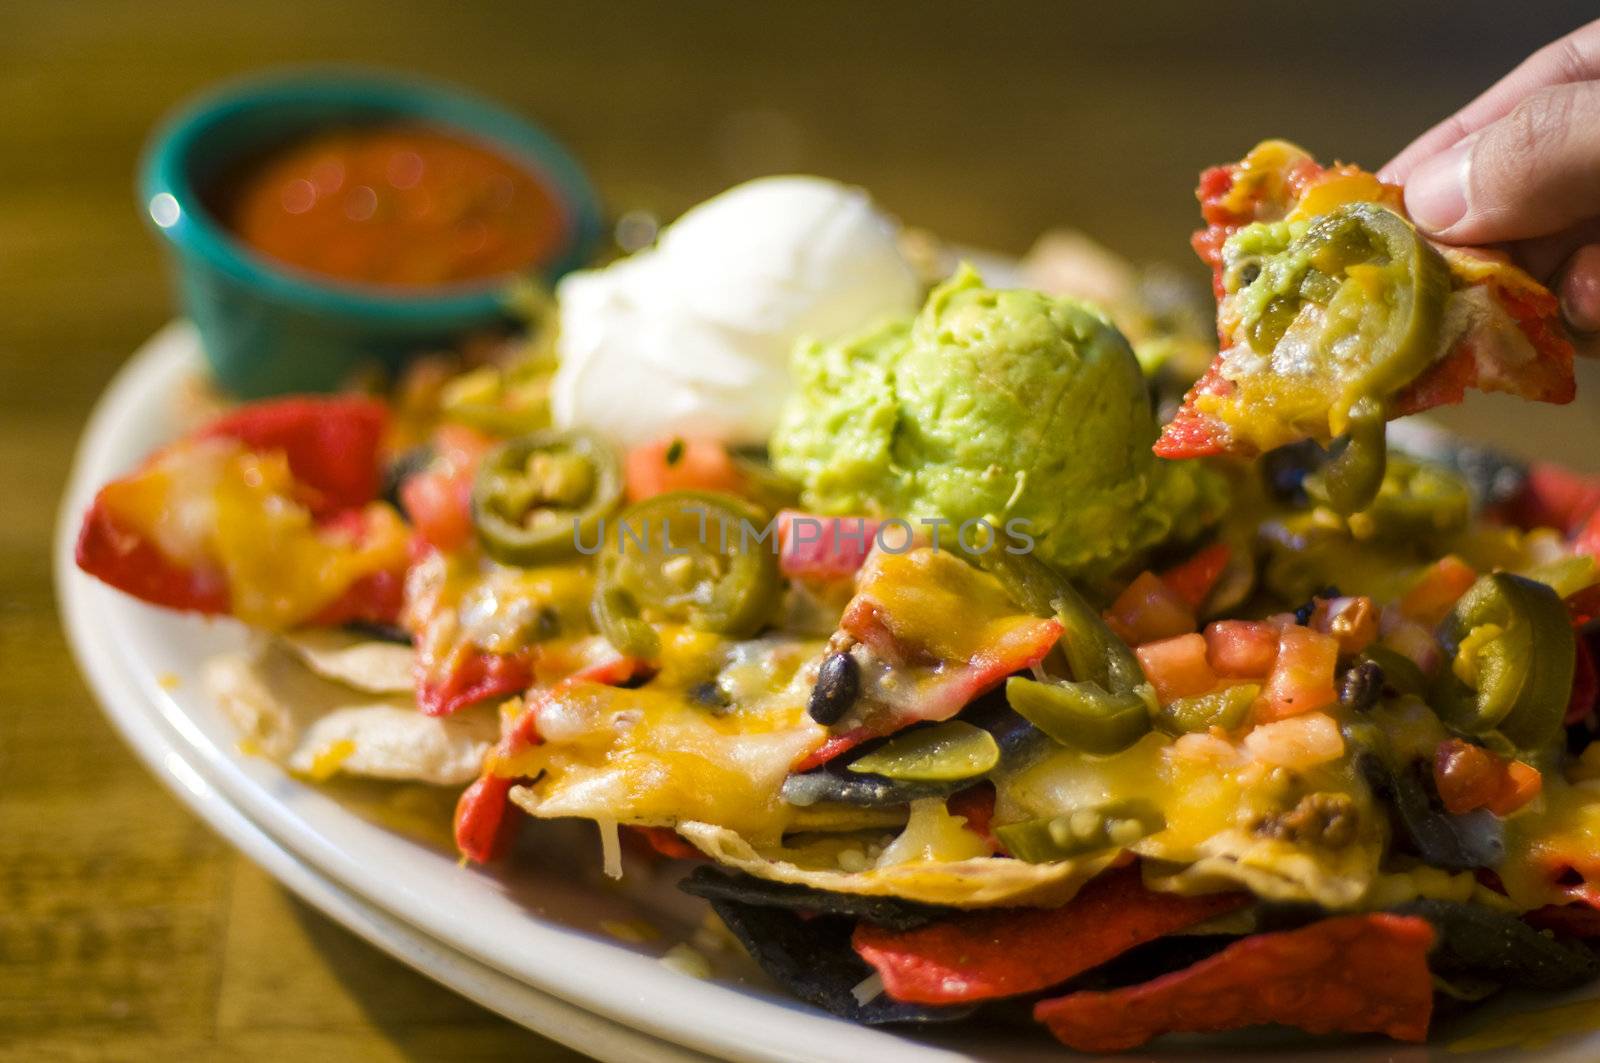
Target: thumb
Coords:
[(1533, 172)]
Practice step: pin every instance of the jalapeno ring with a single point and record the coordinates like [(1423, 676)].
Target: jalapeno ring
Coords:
[(693, 557), (536, 498)]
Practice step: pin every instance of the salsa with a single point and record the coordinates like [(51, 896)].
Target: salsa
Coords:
[(395, 204)]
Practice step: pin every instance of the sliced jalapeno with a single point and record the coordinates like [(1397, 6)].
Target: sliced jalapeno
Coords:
[(1080, 716), (946, 752), (1350, 481), (1511, 650), (498, 401), (1416, 500), (1114, 824), (691, 557), (1094, 652), (537, 497), (1349, 309), (1223, 708), (616, 614), (1400, 673)]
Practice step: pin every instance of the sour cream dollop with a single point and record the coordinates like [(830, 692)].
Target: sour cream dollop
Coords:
[(693, 336)]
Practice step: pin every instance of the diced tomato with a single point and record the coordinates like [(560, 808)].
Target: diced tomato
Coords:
[(1177, 667), (438, 500), (1409, 638), (1149, 610), (1193, 580), (822, 548), (1241, 649), (1353, 622), (1437, 589), (1470, 777), (1466, 775), (1302, 676), (680, 463), (1522, 783), (483, 828), (332, 444)]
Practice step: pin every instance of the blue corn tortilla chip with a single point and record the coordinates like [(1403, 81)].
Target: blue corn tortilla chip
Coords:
[(715, 884), (813, 960), (835, 782), (1482, 944)]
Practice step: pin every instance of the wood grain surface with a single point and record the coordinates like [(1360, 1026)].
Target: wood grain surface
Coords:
[(127, 930)]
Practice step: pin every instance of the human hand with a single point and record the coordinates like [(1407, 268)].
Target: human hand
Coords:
[(1520, 166)]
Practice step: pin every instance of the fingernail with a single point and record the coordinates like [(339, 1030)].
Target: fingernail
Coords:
[(1436, 195)]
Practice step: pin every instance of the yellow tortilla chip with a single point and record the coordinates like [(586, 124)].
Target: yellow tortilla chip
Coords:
[(316, 727), (981, 883), (1274, 870), (360, 663)]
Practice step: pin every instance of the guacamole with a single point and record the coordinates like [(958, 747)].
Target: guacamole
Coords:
[(993, 405)]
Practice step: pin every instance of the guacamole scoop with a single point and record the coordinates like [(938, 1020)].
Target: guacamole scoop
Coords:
[(1003, 406)]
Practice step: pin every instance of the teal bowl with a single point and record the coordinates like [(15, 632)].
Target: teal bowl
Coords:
[(268, 329)]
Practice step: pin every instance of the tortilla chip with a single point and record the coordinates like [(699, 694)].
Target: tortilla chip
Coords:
[(978, 883), (316, 727), (715, 884), (1006, 952), (359, 663), (1273, 870), (812, 959), (1350, 974)]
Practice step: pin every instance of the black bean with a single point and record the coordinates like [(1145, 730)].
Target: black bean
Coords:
[(1362, 686), (838, 686), (708, 694), (1285, 469), (401, 469), (1303, 615)]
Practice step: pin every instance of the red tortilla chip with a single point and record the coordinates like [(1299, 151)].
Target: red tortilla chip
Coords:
[(483, 829), (475, 677), (332, 444), (1349, 974), (983, 955), (1267, 186)]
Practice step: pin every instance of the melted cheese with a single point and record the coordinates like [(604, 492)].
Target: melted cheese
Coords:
[(656, 754), (1214, 798), (213, 503)]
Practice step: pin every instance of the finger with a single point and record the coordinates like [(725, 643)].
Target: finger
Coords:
[(1575, 57), (1544, 256), (1532, 173), (1579, 290)]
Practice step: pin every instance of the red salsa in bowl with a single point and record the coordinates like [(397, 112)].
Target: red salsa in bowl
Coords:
[(397, 204), (323, 223)]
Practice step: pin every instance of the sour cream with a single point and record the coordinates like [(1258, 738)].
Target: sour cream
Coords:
[(693, 335)]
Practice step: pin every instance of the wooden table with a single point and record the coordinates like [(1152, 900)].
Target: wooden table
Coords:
[(126, 928)]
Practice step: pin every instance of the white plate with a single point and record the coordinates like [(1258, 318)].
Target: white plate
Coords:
[(537, 920), (157, 747)]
